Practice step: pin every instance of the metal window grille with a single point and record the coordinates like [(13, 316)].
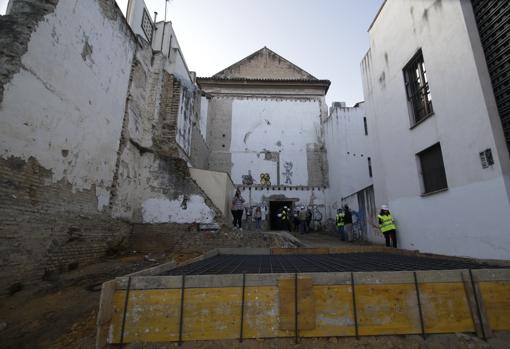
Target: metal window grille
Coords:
[(369, 167), (432, 169), (365, 125), (417, 88), (147, 25), (493, 21)]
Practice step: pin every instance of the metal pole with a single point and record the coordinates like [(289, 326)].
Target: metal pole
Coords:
[(419, 304), (355, 313), (477, 305), (242, 309), (296, 333), (181, 314), (123, 326)]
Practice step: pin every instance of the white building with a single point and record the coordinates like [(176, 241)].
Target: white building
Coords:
[(349, 164), (264, 125), (438, 149)]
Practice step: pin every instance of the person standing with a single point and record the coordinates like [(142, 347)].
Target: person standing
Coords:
[(238, 207), (302, 220), (387, 226), (340, 223), (284, 216), (348, 223), (308, 219), (258, 218)]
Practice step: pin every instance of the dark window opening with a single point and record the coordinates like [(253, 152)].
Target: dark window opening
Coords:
[(170, 46), (365, 125), (417, 88), (369, 167), (432, 169)]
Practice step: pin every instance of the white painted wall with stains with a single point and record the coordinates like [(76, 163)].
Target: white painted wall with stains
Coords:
[(472, 217), (348, 152), (65, 105), (273, 125)]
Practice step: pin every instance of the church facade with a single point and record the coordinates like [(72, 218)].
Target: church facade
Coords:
[(264, 128)]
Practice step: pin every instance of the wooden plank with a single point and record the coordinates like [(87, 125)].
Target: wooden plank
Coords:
[(496, 298), (105, 312), (299, 250), (387, 309), (445, 308), (306, 304), (333, 312)]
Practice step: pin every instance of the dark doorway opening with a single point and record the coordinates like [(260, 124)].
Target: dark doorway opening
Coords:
[(275, 207)]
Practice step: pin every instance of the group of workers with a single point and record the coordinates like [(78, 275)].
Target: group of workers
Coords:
[(303, 216), (386, 225)]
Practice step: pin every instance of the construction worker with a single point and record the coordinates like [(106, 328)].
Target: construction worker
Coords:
[(302, 220), (348, 223), (387, 226), (340, 222), (284, 216)]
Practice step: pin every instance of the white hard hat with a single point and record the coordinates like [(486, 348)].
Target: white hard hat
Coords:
[(384, 207), (279, 215), (285, 207)]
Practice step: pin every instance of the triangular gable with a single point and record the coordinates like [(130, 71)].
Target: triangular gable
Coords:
[(264, 64)]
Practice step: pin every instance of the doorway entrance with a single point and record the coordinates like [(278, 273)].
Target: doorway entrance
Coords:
[(275, 207)]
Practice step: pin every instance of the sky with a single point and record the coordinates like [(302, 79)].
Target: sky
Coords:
[(327, 38)]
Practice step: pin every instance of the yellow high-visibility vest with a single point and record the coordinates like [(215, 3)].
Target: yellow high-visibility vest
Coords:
[(387, 223), (340, 219)]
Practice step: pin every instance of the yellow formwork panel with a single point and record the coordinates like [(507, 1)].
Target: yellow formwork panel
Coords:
[(387, 309), (214, 313), (333, 310), (445, 308), (496, 299), (305, 303), (153, 315)]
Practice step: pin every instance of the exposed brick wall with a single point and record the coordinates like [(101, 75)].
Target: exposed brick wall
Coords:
[(47, 228), (165, 137)]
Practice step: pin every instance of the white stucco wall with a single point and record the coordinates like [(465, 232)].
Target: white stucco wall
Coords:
[(165, 210), (284, 126), (471, 218), (347, 153), (66, 104)]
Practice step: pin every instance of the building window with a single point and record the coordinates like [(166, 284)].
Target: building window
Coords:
[(147, 26), (170, 46), (365, 125), (432, 169), (369, 167), (417, 89)]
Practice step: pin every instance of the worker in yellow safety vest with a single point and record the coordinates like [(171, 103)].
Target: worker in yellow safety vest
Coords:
[(284, 216), (340, 223), (387, 226)]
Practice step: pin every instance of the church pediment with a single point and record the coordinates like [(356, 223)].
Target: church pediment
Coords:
[(264, 64)]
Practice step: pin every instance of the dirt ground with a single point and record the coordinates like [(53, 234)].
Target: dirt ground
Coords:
[(62, 315)]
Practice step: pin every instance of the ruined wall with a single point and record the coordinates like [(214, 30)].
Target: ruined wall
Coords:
[(153, 184), (63, 86)]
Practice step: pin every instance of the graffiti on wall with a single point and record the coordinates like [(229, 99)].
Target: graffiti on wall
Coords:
[(265, 179), (288, 165), (247, 179)]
